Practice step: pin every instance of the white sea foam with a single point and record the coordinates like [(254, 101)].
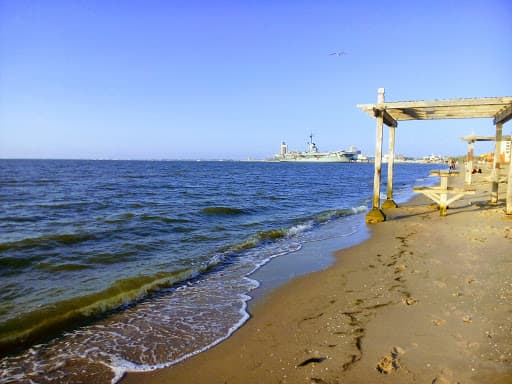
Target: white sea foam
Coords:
[(297, 229)]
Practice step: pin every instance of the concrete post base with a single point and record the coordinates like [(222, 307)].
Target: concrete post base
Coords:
[(389, 203), (375, 216)]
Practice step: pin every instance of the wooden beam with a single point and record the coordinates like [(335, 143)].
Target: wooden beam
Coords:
[(488, 107), (508, 208), (489, 102), (440, 113), (473, 138), (388, 119), (451, 102), (503, 115)]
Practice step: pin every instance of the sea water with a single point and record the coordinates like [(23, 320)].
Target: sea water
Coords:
[(115, 266)]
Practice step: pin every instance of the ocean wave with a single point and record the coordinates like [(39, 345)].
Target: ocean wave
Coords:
[(64, 205), (164, 219), (46, 241), (17, 263), (328, 215), (272, 234), (21, 219), (275, 198), (300, 228), (46, 181), (111, 258), (219, 210), (253, 241), (305, 224), (68, 267), (42, 324)]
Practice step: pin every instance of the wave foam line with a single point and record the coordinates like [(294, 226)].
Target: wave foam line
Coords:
[(38, 325), (121, 366)]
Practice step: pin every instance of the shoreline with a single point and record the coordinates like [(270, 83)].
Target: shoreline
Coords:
[(424, 299)]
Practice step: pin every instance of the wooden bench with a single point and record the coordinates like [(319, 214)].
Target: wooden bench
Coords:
[(440, 194)]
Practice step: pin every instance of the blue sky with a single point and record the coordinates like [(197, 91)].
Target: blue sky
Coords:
[(232, 79)]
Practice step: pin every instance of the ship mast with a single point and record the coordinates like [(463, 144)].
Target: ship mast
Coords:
[(311, 147)]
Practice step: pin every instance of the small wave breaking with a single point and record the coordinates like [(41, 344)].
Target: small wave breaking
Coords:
[(41, 324), (223, 211), (46, 241)]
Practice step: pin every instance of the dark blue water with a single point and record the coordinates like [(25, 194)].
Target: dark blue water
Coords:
[(108, 266)]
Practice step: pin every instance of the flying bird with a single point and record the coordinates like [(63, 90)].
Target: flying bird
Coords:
[(340, 53)]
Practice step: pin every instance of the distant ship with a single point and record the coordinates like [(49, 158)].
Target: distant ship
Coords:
[(313, 155)]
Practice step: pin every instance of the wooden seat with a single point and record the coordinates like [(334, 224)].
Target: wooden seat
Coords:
[(440, 193)]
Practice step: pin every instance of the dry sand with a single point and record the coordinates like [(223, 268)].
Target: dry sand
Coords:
[(427, 299)]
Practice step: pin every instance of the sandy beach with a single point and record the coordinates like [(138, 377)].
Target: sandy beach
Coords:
[(426, 300)]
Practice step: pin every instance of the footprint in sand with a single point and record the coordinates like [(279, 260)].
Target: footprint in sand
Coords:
[(386, 365), (389, 363), (445, 377), (409, 301), (311, 361)]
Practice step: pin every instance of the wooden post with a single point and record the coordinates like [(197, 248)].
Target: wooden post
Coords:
[(389, 203), (376, 215), (508, 209), (443, 197), (469, 162), (496, 164)]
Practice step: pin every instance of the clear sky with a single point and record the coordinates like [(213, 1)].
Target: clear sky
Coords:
[(232, 79)]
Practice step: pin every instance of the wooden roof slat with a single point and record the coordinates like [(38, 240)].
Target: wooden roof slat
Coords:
[(486, 107), (474, 138), (452, 102)]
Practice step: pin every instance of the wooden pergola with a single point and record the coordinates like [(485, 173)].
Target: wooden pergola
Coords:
[(471, 140), (389, 113)]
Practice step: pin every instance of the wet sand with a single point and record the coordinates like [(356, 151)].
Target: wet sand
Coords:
[(427, 299)]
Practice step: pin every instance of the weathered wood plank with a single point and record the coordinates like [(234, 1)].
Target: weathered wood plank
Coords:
[(389, 203), (378, 153), (496, 164), (440, 195), (466, 102), (503, 115), (375, 215), (388, 119), (508, 209), (469, 163), (443, 109), (443, 172), (446, 190), (437, 114), (474, 138)]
